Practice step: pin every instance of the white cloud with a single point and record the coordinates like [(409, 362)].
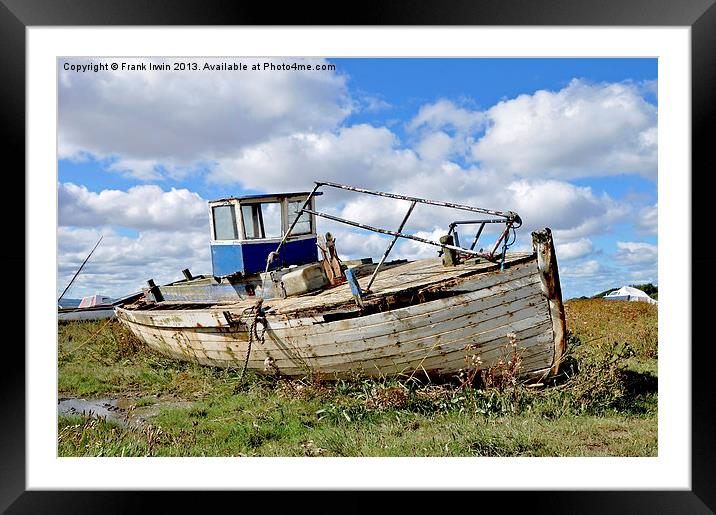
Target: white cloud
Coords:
[(444, 114), (575, 249), (647, 220), (357, 245), (556, 204), (586, 269), (141, 207), (636, 253), (282, 131), (632, 263), (411, 249), (360, 154), (173, 234), (435, 146), (582, 130), (121, 265), (373, 104), (179, 121), (371, 157)]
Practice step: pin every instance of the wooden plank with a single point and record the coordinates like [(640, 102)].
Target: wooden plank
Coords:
[(403, 333), (228, 350), (435, 333), (215, 317), (380, 347), (543, 245), (449, 362), (443, 310), (402, 329)]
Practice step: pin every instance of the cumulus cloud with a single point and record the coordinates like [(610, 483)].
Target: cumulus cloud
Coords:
[(122, 264), (141, 207), (435, 146), (587, 269), (282, 131), (170, 123), (360, 154), (582, 130), (575, 249), (372, 104), (355, 245), (372, 157), (636, 253), (445, 114), (647, 220)]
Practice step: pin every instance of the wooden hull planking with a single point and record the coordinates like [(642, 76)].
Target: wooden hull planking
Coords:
[(479, 314)]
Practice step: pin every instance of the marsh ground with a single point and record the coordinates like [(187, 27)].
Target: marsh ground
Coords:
[(604, 403)]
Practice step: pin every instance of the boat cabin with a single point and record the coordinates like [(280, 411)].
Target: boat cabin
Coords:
[(244, 230)]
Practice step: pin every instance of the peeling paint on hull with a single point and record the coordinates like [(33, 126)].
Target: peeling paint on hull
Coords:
[(474, 312)]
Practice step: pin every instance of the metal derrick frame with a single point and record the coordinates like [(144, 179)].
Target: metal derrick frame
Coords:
[(509, 218)]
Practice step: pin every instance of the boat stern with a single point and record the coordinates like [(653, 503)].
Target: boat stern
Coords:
[(543, 245)]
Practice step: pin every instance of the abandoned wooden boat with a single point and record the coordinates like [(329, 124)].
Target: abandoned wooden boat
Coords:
[(273, 307)]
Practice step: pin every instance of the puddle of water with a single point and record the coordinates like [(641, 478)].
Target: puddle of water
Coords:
[(122, 410)]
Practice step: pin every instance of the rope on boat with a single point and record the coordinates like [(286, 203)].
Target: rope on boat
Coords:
[(256, 315), (68, 353)]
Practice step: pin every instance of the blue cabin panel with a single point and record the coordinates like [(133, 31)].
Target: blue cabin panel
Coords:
[(226, 259), (250, 257), (296, 252)]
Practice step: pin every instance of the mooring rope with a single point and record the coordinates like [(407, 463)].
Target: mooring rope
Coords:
[(67, 353), (255, 312)]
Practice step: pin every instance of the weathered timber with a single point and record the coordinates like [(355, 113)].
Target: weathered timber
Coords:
[(547, 262), (449, 255), (419, 316)]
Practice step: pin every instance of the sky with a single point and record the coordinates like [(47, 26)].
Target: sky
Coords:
[(569, 144)]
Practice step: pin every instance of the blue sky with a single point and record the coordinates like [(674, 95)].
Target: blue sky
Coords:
[(567, 143)]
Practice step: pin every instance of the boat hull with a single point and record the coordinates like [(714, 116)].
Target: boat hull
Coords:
[(480, 315), (85, 313)]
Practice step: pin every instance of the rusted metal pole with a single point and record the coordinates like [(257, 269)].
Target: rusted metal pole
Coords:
[(509, 215), (477, 236), (393, 233), (499, 240), (473, 222), (274, 254), (390, 246)]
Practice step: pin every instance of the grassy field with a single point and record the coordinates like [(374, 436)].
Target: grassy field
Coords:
[(604, 403)]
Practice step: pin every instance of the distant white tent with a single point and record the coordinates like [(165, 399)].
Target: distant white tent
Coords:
[(629, 293)]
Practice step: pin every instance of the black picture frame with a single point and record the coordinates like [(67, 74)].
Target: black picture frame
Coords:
[(699, 15)]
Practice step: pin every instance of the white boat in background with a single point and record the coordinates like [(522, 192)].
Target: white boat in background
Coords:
[(435, 316), (94, 307)]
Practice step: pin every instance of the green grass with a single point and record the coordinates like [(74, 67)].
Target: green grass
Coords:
[(603, 404)]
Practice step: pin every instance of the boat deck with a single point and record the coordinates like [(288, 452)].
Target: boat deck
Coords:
[(393, 279)]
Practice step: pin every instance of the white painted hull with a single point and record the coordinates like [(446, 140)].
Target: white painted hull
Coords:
[(436, 336), (86, 314)]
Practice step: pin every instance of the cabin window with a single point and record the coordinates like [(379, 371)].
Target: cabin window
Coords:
[(303, 226), (262, 220), (225, 223)]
